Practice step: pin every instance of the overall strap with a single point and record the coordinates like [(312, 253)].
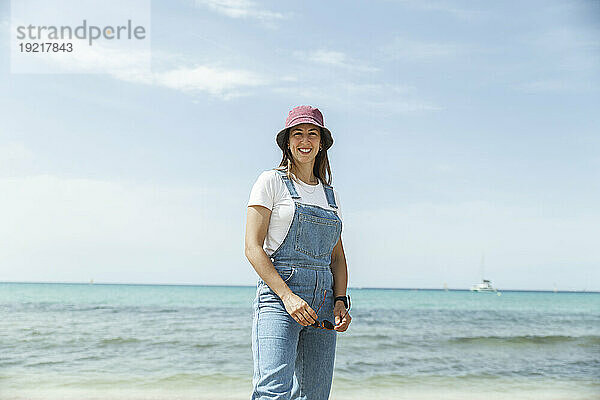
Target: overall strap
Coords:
[(330, 195), (289, 184)]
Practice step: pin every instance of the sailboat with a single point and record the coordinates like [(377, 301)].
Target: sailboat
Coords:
[(485, 285)]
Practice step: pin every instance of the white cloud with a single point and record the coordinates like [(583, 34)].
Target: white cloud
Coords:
[(212, 80), (217, 81), (413, 50), (240, 9), (334, 58), (329, 57)]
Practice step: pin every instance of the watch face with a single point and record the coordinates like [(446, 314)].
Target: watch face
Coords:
[(344, 300)]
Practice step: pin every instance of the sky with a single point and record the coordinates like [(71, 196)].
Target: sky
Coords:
[(462, 130)]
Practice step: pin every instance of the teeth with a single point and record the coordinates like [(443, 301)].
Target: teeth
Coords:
[(305, 150)]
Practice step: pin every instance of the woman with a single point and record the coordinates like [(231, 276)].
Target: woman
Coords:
[(293, 241)]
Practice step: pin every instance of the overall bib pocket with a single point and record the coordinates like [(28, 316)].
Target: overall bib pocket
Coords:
[(316, 236)]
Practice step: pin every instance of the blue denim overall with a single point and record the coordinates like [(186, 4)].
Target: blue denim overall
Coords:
[(292, 361)]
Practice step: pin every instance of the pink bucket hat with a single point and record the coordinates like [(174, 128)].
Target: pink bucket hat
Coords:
[(301, 115)]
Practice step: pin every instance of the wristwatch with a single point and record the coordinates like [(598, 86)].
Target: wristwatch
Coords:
[(342, 298)]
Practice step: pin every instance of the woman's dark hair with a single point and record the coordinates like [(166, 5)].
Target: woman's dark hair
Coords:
[(321, 168)]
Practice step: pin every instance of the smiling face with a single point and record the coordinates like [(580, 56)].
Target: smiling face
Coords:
[(305, 140)]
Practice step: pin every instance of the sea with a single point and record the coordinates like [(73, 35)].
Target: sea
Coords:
[(122, 341)]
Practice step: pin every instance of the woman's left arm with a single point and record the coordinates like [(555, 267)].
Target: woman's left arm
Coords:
[(339, 270)]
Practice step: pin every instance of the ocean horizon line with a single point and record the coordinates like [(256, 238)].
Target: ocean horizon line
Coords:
[(253, 286)]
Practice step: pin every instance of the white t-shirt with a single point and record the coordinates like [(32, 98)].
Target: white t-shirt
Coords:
[(270, 191)]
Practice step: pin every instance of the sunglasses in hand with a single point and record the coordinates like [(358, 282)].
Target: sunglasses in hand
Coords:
[(327, 324)]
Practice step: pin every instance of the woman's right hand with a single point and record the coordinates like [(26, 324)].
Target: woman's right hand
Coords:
[(299, 309)]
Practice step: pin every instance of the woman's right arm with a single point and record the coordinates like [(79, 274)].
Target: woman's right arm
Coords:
[(257, 224)]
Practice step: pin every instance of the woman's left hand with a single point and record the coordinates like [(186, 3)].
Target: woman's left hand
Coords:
[(342, 317)]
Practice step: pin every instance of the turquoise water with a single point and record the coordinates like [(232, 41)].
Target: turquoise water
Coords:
[(165, 342)]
